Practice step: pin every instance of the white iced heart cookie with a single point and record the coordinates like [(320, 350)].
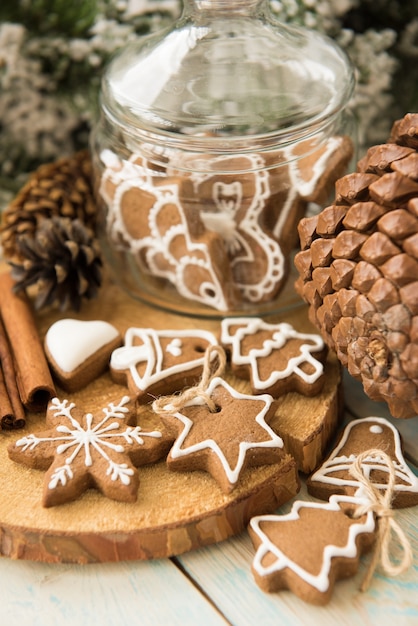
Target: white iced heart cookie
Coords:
[(79, 351)]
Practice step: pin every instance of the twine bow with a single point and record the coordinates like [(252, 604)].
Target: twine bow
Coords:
[(176, 402), (379, 501)]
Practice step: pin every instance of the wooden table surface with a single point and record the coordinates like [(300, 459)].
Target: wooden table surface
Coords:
[(211, 586)]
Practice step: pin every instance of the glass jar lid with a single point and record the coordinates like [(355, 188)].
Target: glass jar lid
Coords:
[(225, 71)]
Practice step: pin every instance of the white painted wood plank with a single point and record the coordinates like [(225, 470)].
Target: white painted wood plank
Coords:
[(122, 594), (224, 571)]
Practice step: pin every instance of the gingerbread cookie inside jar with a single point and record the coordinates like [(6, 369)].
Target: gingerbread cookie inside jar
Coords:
[(214, 137)]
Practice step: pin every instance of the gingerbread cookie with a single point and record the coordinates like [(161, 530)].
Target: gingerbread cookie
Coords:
[(311, 547), (145, 217), (81, 450), (302, 173), (79, 351), (226, 438), (234, 206), (374, 434), (275, 357), (155, 362)]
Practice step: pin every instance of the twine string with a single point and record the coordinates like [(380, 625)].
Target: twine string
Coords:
[(176, 402), (388, 529)]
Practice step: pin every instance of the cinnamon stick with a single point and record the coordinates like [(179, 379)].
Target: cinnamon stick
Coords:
[(33, 377), (6, 412), (12, 414)]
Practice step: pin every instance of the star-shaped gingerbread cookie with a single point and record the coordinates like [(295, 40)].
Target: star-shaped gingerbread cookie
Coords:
[(226, 441), (82, 450)]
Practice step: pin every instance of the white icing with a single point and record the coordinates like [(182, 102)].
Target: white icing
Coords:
[(174, 347), (77, 440), (70, 342), (306, 187), (150, 352), (232, 473), (321, 580), (245, 239), (280, 335), (157, 245), (336, 462), (375, 429), (299, 186)]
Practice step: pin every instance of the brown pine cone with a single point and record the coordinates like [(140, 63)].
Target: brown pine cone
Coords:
[(62, 188), (62, 262), (358, 270)]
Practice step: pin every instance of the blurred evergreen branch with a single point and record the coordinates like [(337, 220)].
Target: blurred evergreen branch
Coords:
[(52, 53)]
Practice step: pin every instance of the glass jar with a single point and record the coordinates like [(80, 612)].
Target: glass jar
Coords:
[(213, 138)]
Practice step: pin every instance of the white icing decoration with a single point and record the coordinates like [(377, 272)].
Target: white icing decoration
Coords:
[(232, 473), (81, 440), (174, 347), (307, 187), (70, 342), (298, 186), (150, 352), (157, 246), (242, 236), (321, 580), (336, 462), (118, 171), (280, 334), (376, 430)]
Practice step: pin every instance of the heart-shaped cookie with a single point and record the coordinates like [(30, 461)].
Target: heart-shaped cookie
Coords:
[(79, 351)]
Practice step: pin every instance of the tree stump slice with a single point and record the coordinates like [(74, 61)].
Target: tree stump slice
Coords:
[(175, 512)]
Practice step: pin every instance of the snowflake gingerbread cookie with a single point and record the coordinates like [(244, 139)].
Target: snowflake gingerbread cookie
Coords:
[(222, 432), (81, 450), (275, 357), (154, 362)]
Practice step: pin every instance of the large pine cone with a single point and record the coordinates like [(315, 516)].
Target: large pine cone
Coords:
[(62, 188), (358, 269)]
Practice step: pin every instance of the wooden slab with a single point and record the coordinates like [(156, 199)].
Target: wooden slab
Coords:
[(175, 512)]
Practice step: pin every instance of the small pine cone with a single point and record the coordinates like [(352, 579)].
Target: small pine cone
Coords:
[(61, 188), (358, 270), (62, 261)]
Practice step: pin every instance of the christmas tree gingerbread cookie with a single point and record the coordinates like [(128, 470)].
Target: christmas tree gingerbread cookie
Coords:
[(81, 450), (275, 357), (374, 435), (311, 547)]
